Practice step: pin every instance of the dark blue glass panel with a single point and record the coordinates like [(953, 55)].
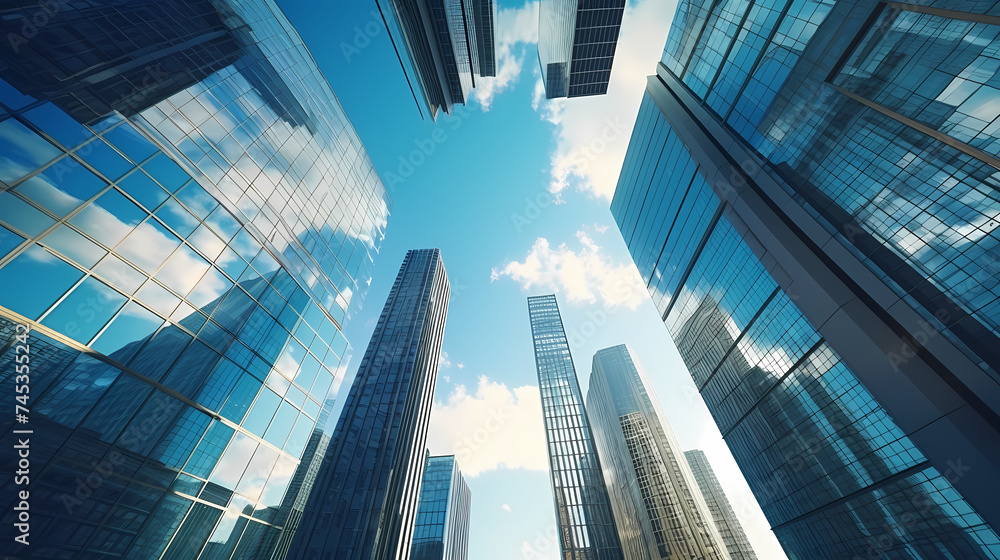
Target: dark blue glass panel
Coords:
[(11, 97), (49, 278), (240, 399), (143, 189), (58, 124), (105, 159), (79, 387), (129, 141), (116, 408), (166, 172)]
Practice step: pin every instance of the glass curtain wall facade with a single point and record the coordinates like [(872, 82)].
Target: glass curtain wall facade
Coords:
[(587, 529), (186, 214), (364, 501), (723, 515), (442, 528), (443, 46), (576, 45), (810, 201), (656, 502)]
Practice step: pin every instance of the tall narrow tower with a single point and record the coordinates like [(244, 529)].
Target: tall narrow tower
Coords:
[(364, 502), (586, 525), (722, 513), (651, 487)]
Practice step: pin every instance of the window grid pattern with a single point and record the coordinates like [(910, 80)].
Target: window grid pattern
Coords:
[(934, 205), (119, 193), (730, 529), (576, 45), (587, 527), (365, 498), (441, 531), (804, 431), (653, 494)]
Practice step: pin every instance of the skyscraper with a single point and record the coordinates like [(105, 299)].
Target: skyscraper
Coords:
[(186, 214), (442, 527), (583, 512), (444, 47), (810, 196), (364, 502), (576, 45), (655, 499), (723, 515)]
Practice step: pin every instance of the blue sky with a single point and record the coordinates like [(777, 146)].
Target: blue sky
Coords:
[(515, 191)]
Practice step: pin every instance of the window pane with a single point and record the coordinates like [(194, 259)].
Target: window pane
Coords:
[(69, 242), (119, 274), (22, 151), (123, 337), (183, 270), (105, 159), (8, 240), (168, 173), (58, 124), (109, 218), (148, 246), (143, 189), (85, 311), (63, 187), (23, 216), (175, 216), (128, 140), (49, 278)]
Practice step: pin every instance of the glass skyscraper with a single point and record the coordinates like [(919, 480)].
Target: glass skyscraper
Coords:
[(444, 47), (186, 214), (576, 45), (723, 515), (655, 499), (587, 529), (442, 528), (810, 195), (364, 501)]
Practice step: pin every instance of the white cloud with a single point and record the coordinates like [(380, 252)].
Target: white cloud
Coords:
[(505, 507), (491, 428), (513, 27), (583, 275), (592, 133), (461, 365), (443, 361)]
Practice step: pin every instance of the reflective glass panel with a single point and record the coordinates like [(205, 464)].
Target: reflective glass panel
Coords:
[(127, 332), (85, 310), (105, 159), (22, 151), (109, 218), (69, 242), (58, 124), (63, 187), (49, 278)]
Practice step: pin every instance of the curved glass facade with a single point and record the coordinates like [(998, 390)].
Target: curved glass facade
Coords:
[(186, 215)]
